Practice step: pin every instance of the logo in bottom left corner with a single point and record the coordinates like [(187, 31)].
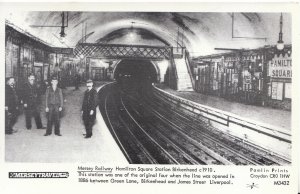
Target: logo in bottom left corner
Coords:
[(38, 175)]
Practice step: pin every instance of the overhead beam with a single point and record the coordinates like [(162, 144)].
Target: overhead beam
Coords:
[(123, 51), (122, 45), (229, 49)]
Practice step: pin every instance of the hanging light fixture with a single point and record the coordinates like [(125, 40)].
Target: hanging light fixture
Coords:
[(132, 34), (62, 29), (280, 44), (62, 32)]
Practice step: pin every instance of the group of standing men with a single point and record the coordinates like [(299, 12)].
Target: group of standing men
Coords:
[(29, 99)]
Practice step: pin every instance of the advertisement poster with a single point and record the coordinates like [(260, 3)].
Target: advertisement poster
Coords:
[(145, 129)]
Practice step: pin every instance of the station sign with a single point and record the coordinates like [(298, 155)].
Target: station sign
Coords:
[(280, 67), (38, 64), (61, 50)]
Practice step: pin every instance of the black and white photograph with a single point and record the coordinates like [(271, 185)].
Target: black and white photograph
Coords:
[(171, 87), (112, 92)]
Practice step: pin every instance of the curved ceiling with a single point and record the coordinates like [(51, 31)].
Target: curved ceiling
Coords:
[(133, 36), (199, 32)]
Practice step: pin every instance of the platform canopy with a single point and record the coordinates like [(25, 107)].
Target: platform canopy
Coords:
[(199, 32)]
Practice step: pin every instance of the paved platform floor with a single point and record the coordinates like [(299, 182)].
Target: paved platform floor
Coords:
[(32, 146), (270, 116)]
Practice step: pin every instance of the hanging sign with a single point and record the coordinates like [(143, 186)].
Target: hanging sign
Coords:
[(280, 67)]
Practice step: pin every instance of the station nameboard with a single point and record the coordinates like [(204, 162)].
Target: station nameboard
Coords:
[(61, 50), (38, 64), (280, 67)]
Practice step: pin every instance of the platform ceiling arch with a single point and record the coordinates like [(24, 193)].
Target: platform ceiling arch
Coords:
[(200, 32)]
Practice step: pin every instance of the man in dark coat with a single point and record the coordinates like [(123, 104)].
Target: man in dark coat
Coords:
[(11, 105), (31, 103), (54, 105), (88, 110)]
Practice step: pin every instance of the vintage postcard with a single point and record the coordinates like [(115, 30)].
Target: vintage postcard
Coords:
[(149, 97)]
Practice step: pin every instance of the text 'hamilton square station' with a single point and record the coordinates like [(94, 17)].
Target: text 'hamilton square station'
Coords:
[(148, 87)]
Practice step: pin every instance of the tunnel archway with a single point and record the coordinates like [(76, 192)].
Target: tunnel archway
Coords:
[(136, 69), (135, 75)]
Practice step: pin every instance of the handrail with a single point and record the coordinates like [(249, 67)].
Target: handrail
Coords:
[(174, 70), (225, 118), (187, 61)]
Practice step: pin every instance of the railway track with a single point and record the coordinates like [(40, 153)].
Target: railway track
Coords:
[(135, 143), (257, 155), (235, 151), (181, 155), (149, 131)]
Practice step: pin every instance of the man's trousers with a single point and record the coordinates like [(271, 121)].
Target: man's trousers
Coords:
[(53, 119)]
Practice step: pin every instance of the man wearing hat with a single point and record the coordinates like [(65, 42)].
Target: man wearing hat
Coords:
[(11, 105), (54, 105), (88, 110)]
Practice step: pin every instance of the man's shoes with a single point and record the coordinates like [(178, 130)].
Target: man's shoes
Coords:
[(47, 134), (11, 131), (87, 136), (58, 134), (28, 128), (41, 127), (8, 133)]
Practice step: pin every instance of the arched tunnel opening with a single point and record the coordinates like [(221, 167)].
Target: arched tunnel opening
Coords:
[(135, 75)]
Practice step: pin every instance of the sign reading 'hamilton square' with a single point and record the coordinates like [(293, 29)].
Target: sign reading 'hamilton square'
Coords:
[(281, 67)]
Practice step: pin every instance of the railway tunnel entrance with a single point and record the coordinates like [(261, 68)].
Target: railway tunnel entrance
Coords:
[(134, 74)]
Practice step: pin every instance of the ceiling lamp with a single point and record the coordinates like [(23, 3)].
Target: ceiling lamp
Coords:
[(62, 32), (280, 44), (62, 29), (132, 33)]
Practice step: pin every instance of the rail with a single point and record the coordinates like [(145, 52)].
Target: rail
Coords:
[(102, 87), (225, 118), (110, 127)]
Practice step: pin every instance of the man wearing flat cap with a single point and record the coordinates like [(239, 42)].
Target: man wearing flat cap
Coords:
[(88, 110), (54, 105)]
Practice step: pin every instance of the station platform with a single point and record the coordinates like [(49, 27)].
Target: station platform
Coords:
[(32, 146), (279, 118)]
